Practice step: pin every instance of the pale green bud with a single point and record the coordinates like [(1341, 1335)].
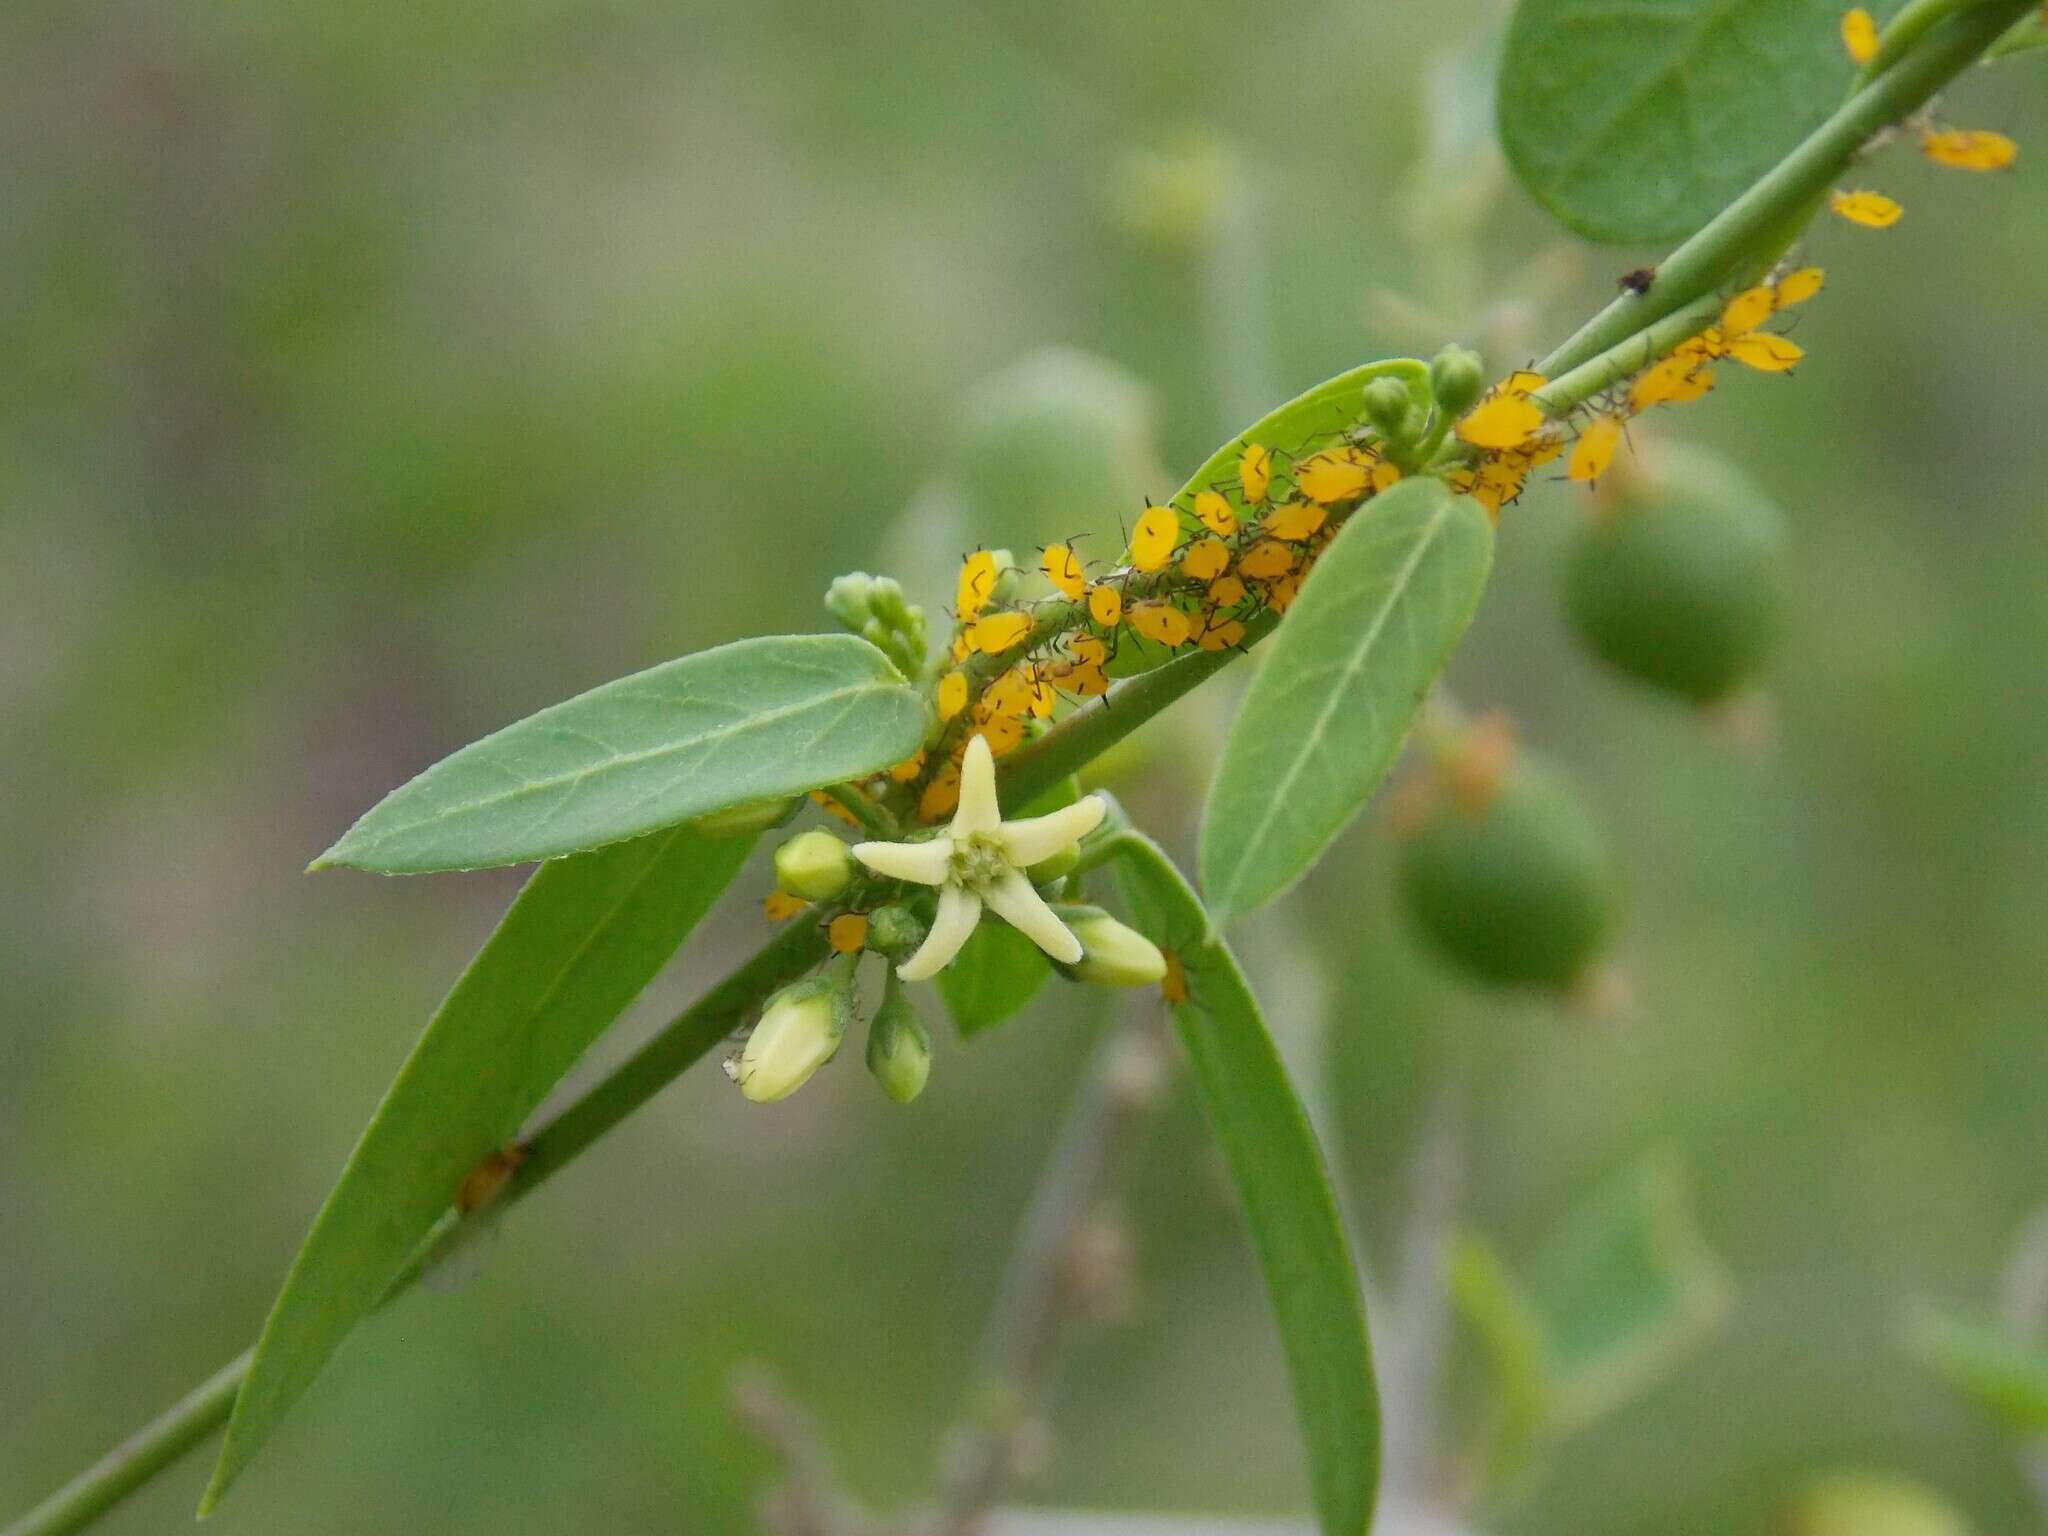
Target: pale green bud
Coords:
[(850, 599), (814, 865), (894, 931), (899, 1046), (1390, 408), (1458, 379), (799, 1032), (747, 817), (1112, 954)]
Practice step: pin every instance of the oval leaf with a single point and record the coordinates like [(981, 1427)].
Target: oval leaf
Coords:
[(1639, 122), (748, 721), (579, 944), (1311, 1277), (997, 972), (1324, 717)]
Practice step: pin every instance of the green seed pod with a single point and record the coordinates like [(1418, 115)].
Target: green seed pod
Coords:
[(1112, 954), (1520, 892), (1871, 1504), (899, 1046), (814, 865), (1681, 581), (1457, 377), (1391, 409), (748, 817), (894, 931)]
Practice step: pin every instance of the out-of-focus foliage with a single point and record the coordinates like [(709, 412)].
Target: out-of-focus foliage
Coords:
[(377, 375)]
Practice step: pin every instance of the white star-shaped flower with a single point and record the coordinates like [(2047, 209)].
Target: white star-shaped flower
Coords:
[(980, 860)]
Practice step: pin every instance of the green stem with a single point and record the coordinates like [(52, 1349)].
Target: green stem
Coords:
[(138, 1458), (1601, 373), (1732, 237), (684, 1041), (877, 819)]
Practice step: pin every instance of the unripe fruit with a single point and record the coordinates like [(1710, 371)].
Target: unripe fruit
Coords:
[(1520, 891), (1680, 581), (899, 1046)]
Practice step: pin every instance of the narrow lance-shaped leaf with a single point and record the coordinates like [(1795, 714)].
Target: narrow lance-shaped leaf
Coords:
[(1311, 1277), (748, 721), (580, 942), (1325, 716)]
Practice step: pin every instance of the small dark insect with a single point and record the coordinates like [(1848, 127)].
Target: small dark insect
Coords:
[(1638, 282)]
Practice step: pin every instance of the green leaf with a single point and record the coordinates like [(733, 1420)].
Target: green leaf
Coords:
[(996, 973), (1311, 1278), (749, 721), (1639, 122), (580, 942), (2002, 1372), (1627, 1289), (1326, 714)]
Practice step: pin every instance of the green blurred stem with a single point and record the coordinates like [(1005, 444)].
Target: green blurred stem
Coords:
[(875, 818), (138, 1458), (1599, 374), (1754, 230), (684, 1041)]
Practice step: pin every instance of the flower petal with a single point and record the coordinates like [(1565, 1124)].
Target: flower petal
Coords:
[(959, 910), (1012, 898), (978, 811), (1040, 837), (925, 863)]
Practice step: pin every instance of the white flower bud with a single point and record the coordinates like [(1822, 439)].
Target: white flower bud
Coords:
[(814, 865), (1112, 954), (799, 1032)]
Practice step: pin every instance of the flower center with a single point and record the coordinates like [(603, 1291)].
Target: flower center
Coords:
[(978, 860)]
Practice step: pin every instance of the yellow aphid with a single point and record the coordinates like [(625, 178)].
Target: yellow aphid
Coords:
[(1341, 474), (1747, 310), (908, 769), (1009, 694), (1766, 353), (1523, 381), (1798, 287), (1703, 348), (1672, 382), (1162, 622), (1538, 451), (779, 906), (941, 795), (1873, 210), (1205, 559), (1225, 592), (977, 581), (1215, 513), (1266, 560), (952, 694), (1064, 571), (833, 808), (1105, 606), (1594, 450), (1002, 732), (1859, 35), (1508, 420), (998, 632), (847, 933), (1152, 542), (1385, 474), (1499, 483), (1293, 520), (1089, 681), (1088, 650), (1174, 985), (1283, 592), (960, 650), (1254, 474), (1043, 699), (1221, 637), (1969, 149)]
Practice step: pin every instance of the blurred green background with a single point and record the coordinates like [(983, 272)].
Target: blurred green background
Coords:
[(375, 374)]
